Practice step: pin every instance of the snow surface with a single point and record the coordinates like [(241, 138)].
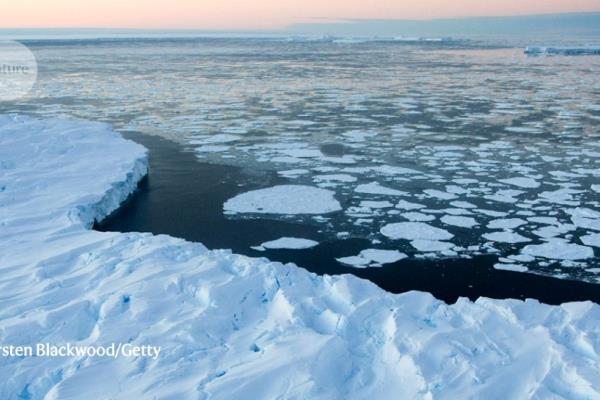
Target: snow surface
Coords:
[(284, 199), (230, 326)]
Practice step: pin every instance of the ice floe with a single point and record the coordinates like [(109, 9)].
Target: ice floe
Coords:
[(376, 188), (506, 236), (558, 249), (284, 199), (522, 182), (372, 258), (415, 231), (463, 222), (591, 240), (288, 243)]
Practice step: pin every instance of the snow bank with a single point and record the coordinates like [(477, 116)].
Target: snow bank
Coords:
[(229, 326)]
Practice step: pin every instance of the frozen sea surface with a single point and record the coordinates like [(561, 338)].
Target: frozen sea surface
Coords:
[(463, 133)]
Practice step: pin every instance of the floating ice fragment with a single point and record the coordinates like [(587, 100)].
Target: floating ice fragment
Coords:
[(523, 182), (463, 222), (591, 240), (558, 249), (438, 194), (511, 267), (508, 223), (415, 231), (373, 257), (376, 188), (335, 178), (506, 237), (284, 199), (406, 205), (431, 245), (376, 204), (417, 216), (289, 243)]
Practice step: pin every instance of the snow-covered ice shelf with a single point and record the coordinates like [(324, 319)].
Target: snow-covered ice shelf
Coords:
[(231, 326)]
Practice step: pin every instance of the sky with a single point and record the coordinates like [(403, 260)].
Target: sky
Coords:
[(257, 14)]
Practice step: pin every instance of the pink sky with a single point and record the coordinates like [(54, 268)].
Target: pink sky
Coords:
[(257, 14)]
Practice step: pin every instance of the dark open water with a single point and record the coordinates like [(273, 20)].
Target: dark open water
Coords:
[(183, 197)]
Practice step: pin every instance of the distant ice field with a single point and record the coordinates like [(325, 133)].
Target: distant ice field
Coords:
[(435, 150)]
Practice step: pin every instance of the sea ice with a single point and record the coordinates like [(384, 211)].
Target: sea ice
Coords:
[(463, 222), (418, 217), (511, 267), (289, 243), (284, 199), (558, 249), (376, 204), (506, 237), (427, 246), (376, 188), (591, 239), (507, 223), (522, 182), (373, 257), (415, 231), (407, 205)]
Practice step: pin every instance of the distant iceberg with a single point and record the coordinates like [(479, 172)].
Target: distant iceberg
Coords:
[(563, 51)]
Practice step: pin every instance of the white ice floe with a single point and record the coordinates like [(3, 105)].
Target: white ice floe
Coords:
[(591, 239), (376, 188), (407, 205), (506, 236), (373, 258), (427, 246), (521, 181), (438, 194), (506, 223), (463, 222), (376, 204), (511, 267), (415, 231), (229, 326), (462, 204), (558, 249), (284, 199), (418, 217), (215, 139), (334, 178), (211, 149), (550, 231), (293, 173), (289, 243), (505, 196), (585, 218)]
